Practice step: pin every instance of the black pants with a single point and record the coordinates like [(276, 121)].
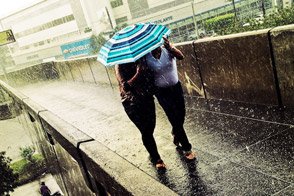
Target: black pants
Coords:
[(142, 114), (172, 101)]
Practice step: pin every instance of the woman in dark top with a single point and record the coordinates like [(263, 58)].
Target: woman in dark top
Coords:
[(137, 89), (45, 191)]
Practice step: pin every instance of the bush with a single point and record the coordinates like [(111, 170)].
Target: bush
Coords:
[(219, 24), (96, 42), (8, 179), (29, 171), (27, 152), (225, 25)]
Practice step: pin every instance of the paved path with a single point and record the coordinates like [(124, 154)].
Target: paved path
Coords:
[(33, 188), (237, 153)]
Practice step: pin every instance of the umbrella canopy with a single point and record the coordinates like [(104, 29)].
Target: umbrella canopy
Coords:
[(131, 43)]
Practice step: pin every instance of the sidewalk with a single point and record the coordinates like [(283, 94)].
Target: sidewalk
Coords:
[(33, 188), (236, 154)]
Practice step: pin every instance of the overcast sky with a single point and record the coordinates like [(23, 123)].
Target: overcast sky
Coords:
[(10, 6)]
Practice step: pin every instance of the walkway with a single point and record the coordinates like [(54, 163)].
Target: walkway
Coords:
[(240, 150), (33, 188)]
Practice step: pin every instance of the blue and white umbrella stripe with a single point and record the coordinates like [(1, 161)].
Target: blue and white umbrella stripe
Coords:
[(136, 37), (131, 43)]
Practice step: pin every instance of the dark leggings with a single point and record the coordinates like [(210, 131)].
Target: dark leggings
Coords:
[(142, 114), (172, 101)]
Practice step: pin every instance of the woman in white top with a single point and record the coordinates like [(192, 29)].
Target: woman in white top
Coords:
[(170, 96)]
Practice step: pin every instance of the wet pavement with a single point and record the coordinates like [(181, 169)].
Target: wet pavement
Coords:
[(241, 149)]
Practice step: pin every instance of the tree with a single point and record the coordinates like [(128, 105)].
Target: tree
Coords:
[(118, 28), (96, 42), (27, 153), (5, 57), (8, 180), (220, 24), (224, 25)]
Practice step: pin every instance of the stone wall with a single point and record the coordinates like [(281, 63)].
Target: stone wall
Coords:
[(283, 47), (254, 67), (236, 68), (79, 164)]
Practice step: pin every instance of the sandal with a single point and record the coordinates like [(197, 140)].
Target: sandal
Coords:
[(190, 155), (159, 164), (175, 140)]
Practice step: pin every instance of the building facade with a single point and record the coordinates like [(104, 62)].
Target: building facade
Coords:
[(178, 14), (41, 29), (45, 31)]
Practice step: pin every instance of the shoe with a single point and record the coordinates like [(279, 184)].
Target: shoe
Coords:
[(190, 155), (175, 140), (159, 164)]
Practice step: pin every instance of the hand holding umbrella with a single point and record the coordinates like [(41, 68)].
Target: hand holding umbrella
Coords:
[(177, 53), (166, 43)]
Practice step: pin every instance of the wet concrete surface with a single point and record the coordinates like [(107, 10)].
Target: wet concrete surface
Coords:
[(241, 149), (270, 113)]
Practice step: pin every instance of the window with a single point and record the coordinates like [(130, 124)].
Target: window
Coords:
[(32, 56), (45, 26), (116, 3), (71, 17), (121, 20), (55, 23)]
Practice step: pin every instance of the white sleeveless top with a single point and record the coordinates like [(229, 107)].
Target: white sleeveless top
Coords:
[(165, 68)]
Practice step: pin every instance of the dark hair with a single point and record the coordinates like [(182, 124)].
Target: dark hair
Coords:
[(42, 183)]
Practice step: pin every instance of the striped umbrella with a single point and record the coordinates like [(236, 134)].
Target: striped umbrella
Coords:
[(131, 43)]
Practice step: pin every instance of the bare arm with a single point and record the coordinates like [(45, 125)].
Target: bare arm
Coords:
[(174, 51)]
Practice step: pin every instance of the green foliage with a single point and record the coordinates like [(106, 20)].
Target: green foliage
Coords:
[(219, 24), (28, 171), (27, 152), (118, 28), (283, 17), (8, 180), (18, 166), (96, 42), (5, 57), (225, 25)]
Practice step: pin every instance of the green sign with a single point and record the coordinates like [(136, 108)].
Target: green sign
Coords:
[(6, 37)]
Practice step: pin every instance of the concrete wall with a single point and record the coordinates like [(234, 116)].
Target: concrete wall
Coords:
[(283, 47), (33, 74), (237, 68), (254, 67), (80, 165)]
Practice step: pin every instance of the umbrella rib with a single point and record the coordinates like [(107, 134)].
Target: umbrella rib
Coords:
[(126, 49)]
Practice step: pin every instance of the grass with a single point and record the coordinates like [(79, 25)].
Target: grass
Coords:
[(18, 166), (29, 171)]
